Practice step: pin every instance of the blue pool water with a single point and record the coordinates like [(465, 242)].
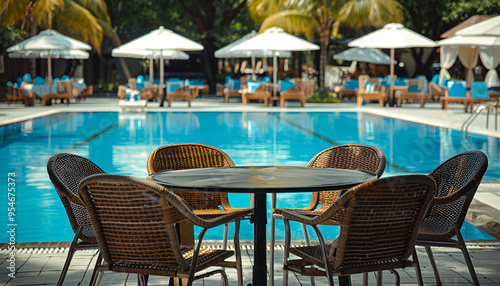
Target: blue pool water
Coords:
[(121, 143)]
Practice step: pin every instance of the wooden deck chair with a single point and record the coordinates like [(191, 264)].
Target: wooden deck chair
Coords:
[(65, 95), (416, 91), (182, 93), (262, 92), (301, 93), (371, 91), (456, 93)]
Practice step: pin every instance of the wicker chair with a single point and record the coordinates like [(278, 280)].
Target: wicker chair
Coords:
[(188, 156), (66, 171), (263, 93), (379, 225), (349, 156), (457, 180), (134, 220)]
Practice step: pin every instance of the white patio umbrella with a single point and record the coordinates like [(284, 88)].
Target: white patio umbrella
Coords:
[(367, 55), (48, 41), (392, 36), (472, 41), (151, 55), (490, 27), (228, 52), (275, 40), (159, 40), (54, 54)]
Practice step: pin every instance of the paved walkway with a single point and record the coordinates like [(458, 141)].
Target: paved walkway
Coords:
[(41, 266)]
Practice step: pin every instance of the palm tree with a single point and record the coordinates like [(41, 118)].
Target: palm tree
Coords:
[(85, 20), (323, 18)]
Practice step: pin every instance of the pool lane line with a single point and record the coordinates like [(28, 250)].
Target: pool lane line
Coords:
[(394, 166), (306, 130), (85, 141)]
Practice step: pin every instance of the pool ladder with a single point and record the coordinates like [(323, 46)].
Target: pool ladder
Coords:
[(474, 115)]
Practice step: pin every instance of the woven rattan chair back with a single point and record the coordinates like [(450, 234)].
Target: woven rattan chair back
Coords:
[(66, 171), (134, 221), (134, 225), (351, 157), (457, 179), (189, 156), (381, 223)]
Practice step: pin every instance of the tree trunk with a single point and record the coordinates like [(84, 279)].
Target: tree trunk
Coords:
[(324, 39)]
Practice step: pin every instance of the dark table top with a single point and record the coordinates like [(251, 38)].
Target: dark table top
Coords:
[(262, 179)]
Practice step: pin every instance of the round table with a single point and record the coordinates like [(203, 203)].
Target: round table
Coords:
[(261, 180)]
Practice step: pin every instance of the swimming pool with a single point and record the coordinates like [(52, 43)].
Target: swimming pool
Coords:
[(121, 144)]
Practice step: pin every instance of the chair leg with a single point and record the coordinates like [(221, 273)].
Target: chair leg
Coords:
[(418, 271), (271, 250), (237, 249), (286, 251), (93, 278), (433, 264), (461, 245), (365, 279), (379, 278), (308, 243), (324, 254), (70, 256), (396, 277), (224, 240), (273, 238)]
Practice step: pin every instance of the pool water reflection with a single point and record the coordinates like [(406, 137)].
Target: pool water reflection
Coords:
[(121, 144)]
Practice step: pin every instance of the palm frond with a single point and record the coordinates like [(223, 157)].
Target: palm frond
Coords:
[(292, 21), (97, 7), (45, 10), (359, 13), (260, 9), (109, 33), (12, 11), (78, 22)]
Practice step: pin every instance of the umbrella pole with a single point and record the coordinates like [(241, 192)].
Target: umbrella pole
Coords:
[(49, 72), (391, 91), (162, 94), (151, 72), (275, 74), (253, 67)]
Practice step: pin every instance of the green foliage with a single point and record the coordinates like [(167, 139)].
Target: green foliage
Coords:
[(9, 37), (323, 96), (101, 87)]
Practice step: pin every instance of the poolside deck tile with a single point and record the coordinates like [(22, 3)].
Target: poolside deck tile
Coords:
[(42, 268)]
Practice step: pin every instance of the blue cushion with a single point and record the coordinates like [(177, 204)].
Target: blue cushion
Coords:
[(252, 85), (285, 85), (39, 81), (352, 84), (435, 78), (19, 80), (413, 88), (370, 87), (457, 89), (65, 77), (27, 77), (266, 78), (479, 90)]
